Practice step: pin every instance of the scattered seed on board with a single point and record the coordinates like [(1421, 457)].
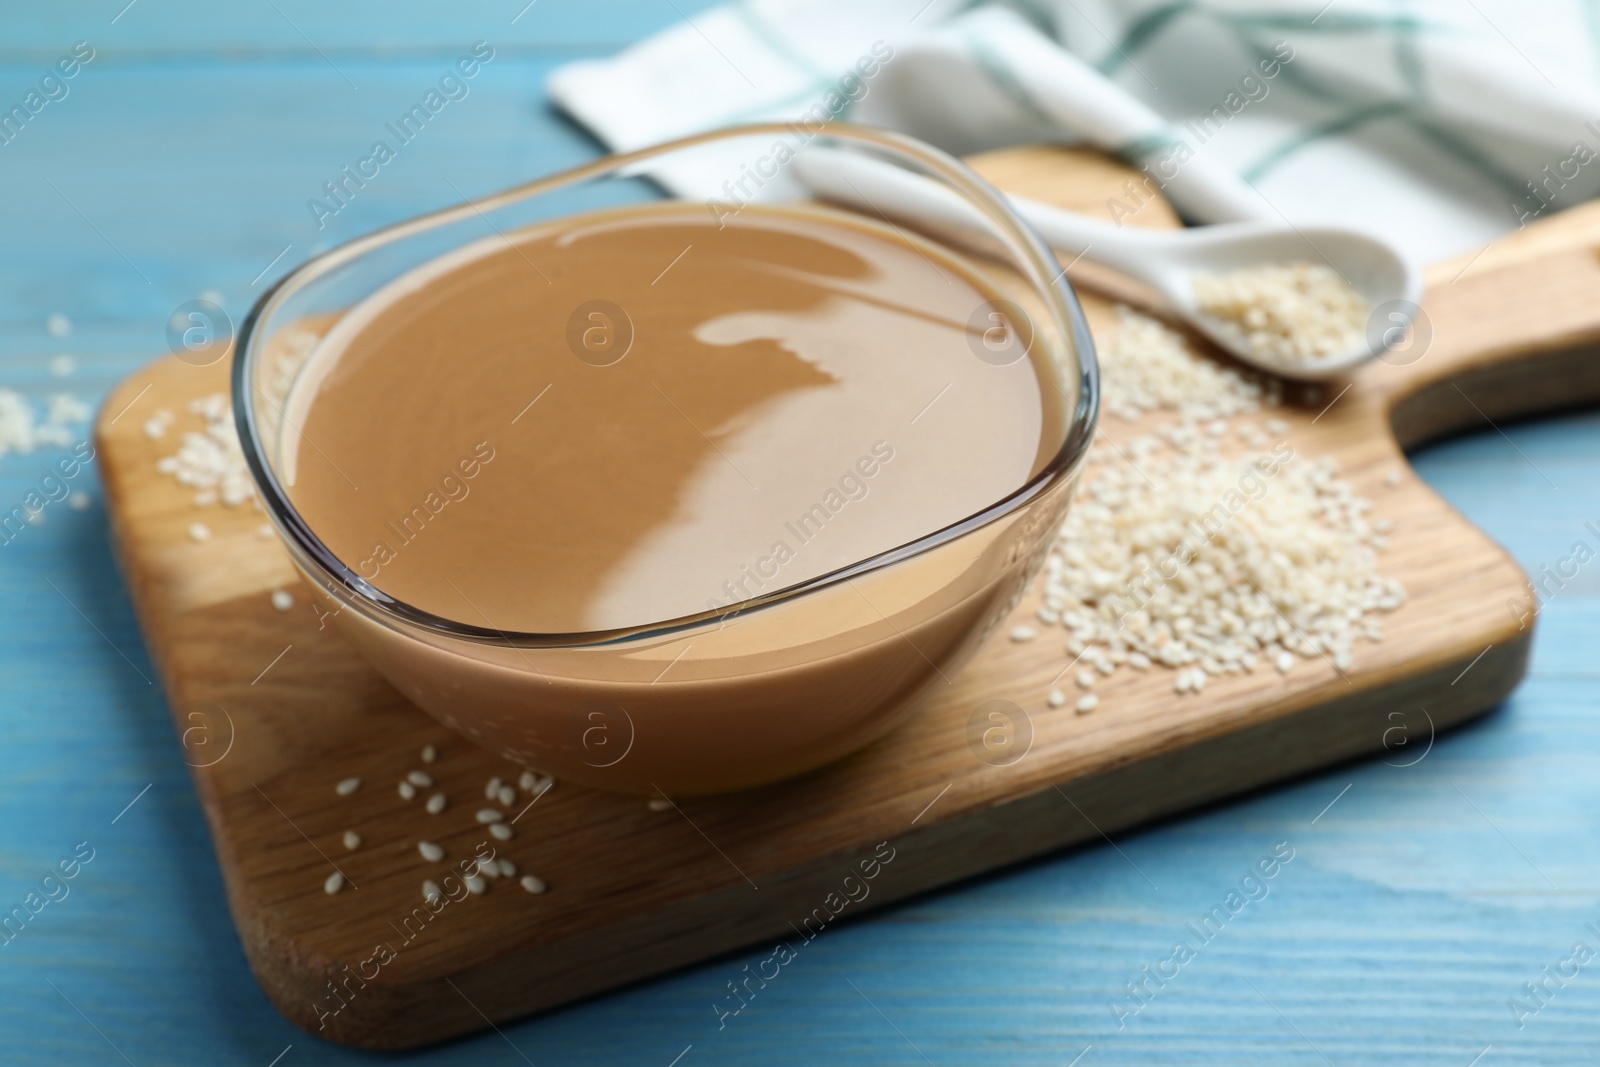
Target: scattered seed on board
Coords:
[(488, 868), (1391, 479), (199, 531), (334, 883), (436, 803), (282, 600), (264, 531), (1085, 679), (1056, 698), (421, 779), (1086, 703), (500, 831), (1284, 662), (407, 790), (1023, 633), (476, 885), (352, 840), (1139, 661), (506, 795), (528, 781), (490, 815), (430, 851), (347, 786), (659, 804), (532, 884), (79, 501), (492, 790), (507, 868), (431, 890), (429, 753)]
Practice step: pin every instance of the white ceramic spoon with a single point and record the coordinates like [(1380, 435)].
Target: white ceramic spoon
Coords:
[(1165, 260)]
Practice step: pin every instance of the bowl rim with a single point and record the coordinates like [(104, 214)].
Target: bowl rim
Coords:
[(355, 590)]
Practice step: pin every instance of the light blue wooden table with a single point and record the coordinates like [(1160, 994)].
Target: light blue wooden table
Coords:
[(1414, 909)]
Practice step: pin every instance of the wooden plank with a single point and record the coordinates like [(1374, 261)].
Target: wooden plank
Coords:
[(635, 892)]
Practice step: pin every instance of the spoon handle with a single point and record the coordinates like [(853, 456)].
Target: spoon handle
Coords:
[(1082, 99)]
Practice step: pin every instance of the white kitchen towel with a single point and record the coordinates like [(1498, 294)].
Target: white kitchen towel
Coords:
[(1441, 123)]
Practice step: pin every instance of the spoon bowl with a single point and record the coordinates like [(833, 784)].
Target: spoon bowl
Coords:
[(1166, 261)]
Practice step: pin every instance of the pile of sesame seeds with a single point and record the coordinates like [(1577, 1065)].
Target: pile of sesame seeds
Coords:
[(1200, 549), (1287, 313), (494, 819), (21, 431)]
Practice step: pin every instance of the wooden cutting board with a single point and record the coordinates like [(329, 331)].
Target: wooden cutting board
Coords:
[(271, 710)]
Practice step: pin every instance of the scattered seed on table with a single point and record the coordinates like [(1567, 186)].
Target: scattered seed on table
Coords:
[(1086, 703), (1085, 679), (429, 753), (431, 890), (528, 782), (407, 790), (1023, 633), (334, 883), (421, 779), (1056, 698), (507, 868), (532, 884), (352, 840), (264, 531), (488, 868), (500, 831), (1139, 661), (492, 790), (436, 803), (430, 851), (475, 884), (1392, 479), (282, 600), (347, 786), (1284, 662), (660, 804), (490, 815), (199, 531), (507, 796)]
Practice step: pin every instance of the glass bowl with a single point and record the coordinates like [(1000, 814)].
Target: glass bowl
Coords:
[(751, 691)]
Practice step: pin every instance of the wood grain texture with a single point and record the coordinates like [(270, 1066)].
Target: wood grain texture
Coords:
[(636, 892)]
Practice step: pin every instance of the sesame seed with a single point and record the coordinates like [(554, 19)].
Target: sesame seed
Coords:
[(659, 804), (492, 790), (489, 868), (407, 790), (507, 795), (1287, 313), (352, 840), (500, 831), (421, 779), (264, 531), (431, 890), (58, 325), (347, 786), (333, 883), (487, 815), (430, 851), (199, 531), (532, 884), (1086, 703), (79, 501), (1392, 479), (1085, 679), (476, 885), (282, 600), (507, 868), (1056, 698), (1139, 661), (1284, 661), (1023, 633), (429, 753), (528, 781), (436, 803)]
